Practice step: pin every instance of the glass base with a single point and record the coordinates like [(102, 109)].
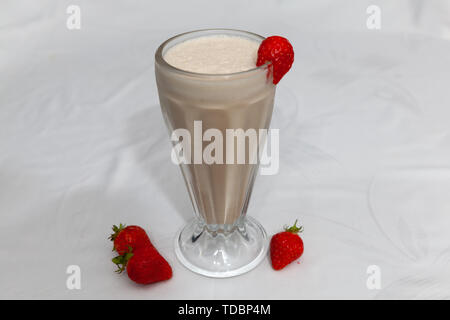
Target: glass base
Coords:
[(218, 254)]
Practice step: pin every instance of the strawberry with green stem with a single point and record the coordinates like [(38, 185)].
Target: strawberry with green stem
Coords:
[(137, 255), (144, 266), (286, 247), (125, 237)]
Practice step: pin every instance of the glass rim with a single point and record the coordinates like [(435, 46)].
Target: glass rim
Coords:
[(159, 59)]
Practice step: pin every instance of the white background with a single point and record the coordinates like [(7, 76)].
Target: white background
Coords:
[(365, 147)]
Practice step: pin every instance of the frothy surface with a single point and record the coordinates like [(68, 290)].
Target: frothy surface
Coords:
[(219, 54)]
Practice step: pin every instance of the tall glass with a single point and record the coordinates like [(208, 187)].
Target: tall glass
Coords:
[(221, 241)]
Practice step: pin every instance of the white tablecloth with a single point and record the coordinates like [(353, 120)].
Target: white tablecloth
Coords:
[(365, 147)]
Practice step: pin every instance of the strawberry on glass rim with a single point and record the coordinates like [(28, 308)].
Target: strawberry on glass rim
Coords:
[(279, 52)]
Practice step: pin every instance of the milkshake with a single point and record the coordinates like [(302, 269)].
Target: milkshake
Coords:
[(220, 192), (211, 76)]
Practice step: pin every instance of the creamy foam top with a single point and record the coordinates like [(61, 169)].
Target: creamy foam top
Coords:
[(217, 54)]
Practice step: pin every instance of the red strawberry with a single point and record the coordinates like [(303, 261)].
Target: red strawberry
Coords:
[(279, 52), (126, 237), (286, 247), (146, 266)]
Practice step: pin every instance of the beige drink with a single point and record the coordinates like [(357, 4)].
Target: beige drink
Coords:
[(219, 192), (210, 76)]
